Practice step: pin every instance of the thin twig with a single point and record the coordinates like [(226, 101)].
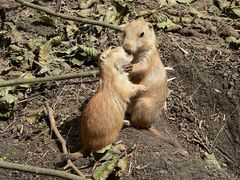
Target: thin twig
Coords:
[(183, 50), (170, 79), (226, 155), (168, 68), (38, 170), (215, 139), (72, 18), (18, 81), (61, 139), (132, 154), (200, 141), (191, 96)]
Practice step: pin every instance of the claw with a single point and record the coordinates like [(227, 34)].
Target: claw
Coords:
[(127, 67)]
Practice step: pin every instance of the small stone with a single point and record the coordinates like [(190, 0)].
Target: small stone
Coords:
[(231, 83), (225, 74), (162, 171)]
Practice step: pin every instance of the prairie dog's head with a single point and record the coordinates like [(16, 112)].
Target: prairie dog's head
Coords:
[(139, 36), (114, 58)]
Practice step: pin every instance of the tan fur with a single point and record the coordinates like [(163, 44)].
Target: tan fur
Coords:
[(103, 116), (147, 70)]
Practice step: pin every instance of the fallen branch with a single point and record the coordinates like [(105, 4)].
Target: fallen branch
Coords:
[(72, 18), (38, 170), (61, 139), (18, 81)]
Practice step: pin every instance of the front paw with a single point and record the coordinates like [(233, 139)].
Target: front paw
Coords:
[(127, 67)]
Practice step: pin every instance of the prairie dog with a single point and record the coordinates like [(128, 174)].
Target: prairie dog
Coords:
[(146, 69), (102, 119)]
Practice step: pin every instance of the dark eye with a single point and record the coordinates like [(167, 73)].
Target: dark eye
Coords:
[(142, 34)]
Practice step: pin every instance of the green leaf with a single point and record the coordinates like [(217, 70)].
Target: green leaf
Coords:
[(105, 154), (169, 25), (197, 13), (85, 12), (172, 2), (236, 11), (7, 103), (44, 68), (3, 32), (211, 159), (106, 168), (222, 4), (71, 29), (162, 2), (17, 35), (233, 41), (187, 19), (27, 76), (71, 50), (123, 166), (87, 4), (16, 48), (33, 116), (76, 62), (89, 51), (3, 158), (5, 90), (103, 150), (92, 52), (47, 20), (112, 161), (34, 44), (45, 50), (111, 16)]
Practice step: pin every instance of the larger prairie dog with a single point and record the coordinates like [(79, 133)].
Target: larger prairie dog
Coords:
[(103, 116), (146, 69)]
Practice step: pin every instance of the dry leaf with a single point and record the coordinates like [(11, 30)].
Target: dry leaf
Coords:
[(211, 159), (17, 35), (33, 116), (236, 11)]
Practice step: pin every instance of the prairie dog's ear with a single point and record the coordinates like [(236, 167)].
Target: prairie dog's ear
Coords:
[(102, 57), (111, 47), (105, 54), (101, 50), (150, 25)]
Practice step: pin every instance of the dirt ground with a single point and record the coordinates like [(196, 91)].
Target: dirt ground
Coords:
[(202, 111)]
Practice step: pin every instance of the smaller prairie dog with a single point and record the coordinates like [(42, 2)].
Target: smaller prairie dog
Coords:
[(102, 119), (146, 69)]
